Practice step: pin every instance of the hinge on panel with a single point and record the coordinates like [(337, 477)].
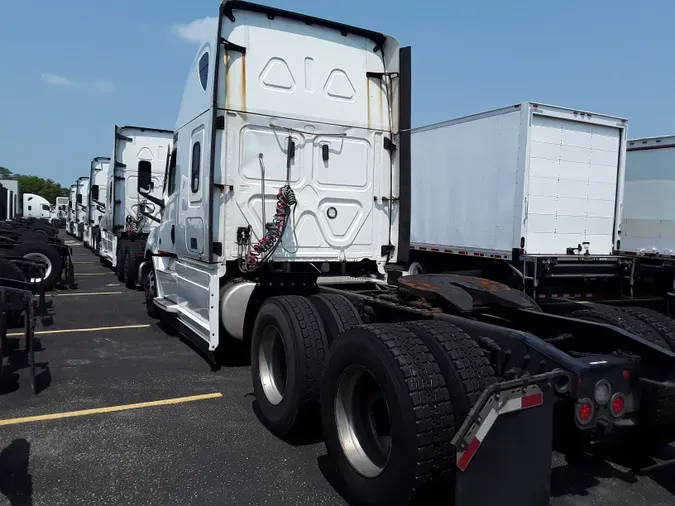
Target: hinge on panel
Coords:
[(118, 201), (386, 199), (119, 178), (120, 165), (389, 145), (220, 123), (380, 75), (232, 46)]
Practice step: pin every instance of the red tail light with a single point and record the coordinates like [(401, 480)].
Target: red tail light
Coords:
[(618, 405)]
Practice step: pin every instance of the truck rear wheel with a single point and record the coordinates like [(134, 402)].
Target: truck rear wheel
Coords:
[(614, 316), (288, 350), (387, 416), (467, 372), (130, 266), (657, 412), (337, 314), (119, 268), (662, 324), (42, 252)]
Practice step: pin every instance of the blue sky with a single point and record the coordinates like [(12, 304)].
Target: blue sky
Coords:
[(70, 70)]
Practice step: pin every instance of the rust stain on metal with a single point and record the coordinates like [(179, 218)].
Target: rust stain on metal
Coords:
[(243, 83)]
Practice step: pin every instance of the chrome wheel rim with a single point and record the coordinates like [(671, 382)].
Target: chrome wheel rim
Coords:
[(272, 365), (39, 257), (363, 421)]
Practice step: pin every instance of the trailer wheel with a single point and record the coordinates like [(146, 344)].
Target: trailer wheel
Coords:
[(387, 417), (466, 370), (150, 289), (664, 325), (41, 252), (337, 314), (288, 349), (119, 268), (613, 316)]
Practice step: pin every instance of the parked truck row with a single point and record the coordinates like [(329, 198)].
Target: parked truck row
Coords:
[(421, 296)]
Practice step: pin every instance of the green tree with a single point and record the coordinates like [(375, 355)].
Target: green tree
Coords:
[(5, 173)]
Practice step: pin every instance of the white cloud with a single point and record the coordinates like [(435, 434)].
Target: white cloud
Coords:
[(103, 86), (55, 80), (197, 31), (98, 85)]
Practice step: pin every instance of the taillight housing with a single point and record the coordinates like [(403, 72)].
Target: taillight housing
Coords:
[(618, 405), (584, 411)]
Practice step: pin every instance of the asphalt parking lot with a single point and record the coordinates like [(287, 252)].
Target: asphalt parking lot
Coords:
[(128, 413)]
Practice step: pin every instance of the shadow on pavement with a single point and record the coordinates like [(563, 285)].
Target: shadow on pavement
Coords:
[(15, 482)]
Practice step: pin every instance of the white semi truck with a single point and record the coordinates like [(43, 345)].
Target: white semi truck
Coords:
[(129, 217), (81, 208), (60, 212), (648, 228), (531, 195), (35, 206), (72, 206), (98, 178), (287, 203)]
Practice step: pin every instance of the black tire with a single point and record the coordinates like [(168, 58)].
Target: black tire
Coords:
[(150, 289), (43, 251), (9, 270), (664, 325), (291, 364), (466, 370), (130, 266), (614, 316), (337, 314), (387, 362), (119, 268)]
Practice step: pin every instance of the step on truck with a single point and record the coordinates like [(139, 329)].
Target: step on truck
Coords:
[(139, 156), (81, 207), (648, 227), (72, 205), (285, 227), (98, 177)]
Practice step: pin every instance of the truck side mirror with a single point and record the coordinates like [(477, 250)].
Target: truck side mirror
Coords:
[(144, 177), (94, 192)]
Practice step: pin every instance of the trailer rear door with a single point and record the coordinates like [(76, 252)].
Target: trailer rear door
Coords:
[(572, 191)]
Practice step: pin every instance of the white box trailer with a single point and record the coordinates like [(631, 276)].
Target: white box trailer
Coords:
[(648, 228), (537, 185)]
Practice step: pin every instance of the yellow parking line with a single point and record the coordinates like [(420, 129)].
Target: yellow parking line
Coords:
[(109, 409), (92, 329)]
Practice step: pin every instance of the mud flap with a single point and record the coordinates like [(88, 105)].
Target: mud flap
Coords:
[(506, 441)]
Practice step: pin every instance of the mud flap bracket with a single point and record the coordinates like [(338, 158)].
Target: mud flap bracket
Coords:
[(506, 440)]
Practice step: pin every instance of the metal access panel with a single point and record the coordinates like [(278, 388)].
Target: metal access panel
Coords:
[(575, 177), (512, 467)]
